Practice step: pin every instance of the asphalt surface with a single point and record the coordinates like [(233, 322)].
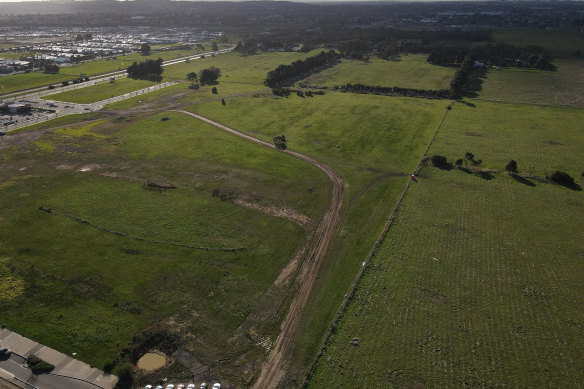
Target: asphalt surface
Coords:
[(41, 381)]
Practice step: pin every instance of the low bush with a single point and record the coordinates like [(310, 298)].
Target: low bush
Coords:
[(39, 366)]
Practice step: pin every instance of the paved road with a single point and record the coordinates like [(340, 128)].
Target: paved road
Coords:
[(43, 381)]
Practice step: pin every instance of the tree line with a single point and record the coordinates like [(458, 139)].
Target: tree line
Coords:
[(396, 91), (284, 73)]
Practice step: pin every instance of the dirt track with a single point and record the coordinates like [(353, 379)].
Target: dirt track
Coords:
[(274, 367)]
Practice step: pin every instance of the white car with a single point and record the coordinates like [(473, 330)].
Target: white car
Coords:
[(203, 386), (191, 386), (180, 386), (170, 386), (216, 385), (148, 387)]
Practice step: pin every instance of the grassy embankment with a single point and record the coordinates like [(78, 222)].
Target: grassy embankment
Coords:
[(410, 71), (477, 283), (101, 91), (79, 289)]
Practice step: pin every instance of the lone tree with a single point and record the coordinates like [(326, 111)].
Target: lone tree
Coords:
[(209, 75), (280, 142), (214, 90), (193, 78), (214, 46), (511, 166), (469, 156), (145, 49)]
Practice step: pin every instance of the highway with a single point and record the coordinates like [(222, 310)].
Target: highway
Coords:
[(95, 79), (34, 97)]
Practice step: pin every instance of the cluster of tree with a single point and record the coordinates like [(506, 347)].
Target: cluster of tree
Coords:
[(249, 47), (280, 142), (499, 54), (147, 69), (458, 82), (447, 55), (469, 157), (51, 68), (282, 92), (82, 37), (209, 75), (284, 73), (396, 91)]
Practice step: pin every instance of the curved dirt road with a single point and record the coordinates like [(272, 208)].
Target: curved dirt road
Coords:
[(273, 368)]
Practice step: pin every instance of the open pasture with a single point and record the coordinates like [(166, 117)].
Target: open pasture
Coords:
[(564, 86), (477, 283), (86, 290), (540, 139), (374, 143), (409, 71)]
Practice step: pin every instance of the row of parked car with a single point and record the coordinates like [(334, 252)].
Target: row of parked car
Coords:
[(216, 385)]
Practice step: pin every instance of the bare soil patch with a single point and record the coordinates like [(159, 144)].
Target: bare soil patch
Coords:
[(285, 213)]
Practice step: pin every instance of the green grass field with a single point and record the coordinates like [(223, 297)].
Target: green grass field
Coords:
[(76, 288), (410, 71), (561, 87), (477, 282), (557, 43), (540, 139), (101, 91), (374, 143)]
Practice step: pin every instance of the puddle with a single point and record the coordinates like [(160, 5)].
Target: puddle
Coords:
[(151, 361)]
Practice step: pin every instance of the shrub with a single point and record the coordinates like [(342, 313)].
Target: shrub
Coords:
[(280, 142), (458, 162), (562, 178), (439, 160), (125, 379), (39, 366), (108, 367), (214, 90)]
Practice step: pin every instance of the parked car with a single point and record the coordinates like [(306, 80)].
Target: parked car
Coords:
[(148, 387), (191, 386), (170, 386), (203, 386), (180, 386), (159, 387), (5, 352), (216, 385)]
